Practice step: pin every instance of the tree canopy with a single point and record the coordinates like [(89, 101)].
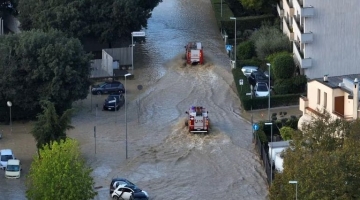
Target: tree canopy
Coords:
[(324, 159), (268, 40), (8, 7), (49, 126), (60, 173), (37, 66), (252, 4), (105, 20)]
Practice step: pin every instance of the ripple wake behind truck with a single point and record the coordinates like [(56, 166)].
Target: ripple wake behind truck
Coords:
[(194, 53), (198, 120)]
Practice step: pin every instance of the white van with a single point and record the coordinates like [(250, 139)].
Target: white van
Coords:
[(5, 155), (13, 169)]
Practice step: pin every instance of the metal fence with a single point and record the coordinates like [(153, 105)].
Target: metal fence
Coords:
[(261, 150)]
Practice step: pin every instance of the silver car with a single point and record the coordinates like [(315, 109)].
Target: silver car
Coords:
[(247, 70), (261, 89)]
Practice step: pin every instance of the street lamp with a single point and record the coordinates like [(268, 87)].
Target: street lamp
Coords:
[(271, 162), (296, 183), (126, 143), (221, 8), (134, 34), (268, 64), (234, 18), (10, 104)]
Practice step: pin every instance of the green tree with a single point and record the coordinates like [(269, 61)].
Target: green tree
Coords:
[(246, 50), (268, 40), (105, 20), (283, 66), (324, 159), (252, 4), (50, 126), (8, 7), (286, 132), (37, 66), (60, 173)]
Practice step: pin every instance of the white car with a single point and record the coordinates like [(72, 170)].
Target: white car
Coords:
[(129, 192), (5, 155), (247, 70), (261, 89), (13, 169)]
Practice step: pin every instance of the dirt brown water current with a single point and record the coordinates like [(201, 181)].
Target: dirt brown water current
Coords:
[(163, 158)]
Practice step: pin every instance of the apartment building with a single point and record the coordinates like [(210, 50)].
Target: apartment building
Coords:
[(324, 35), (338, 95)]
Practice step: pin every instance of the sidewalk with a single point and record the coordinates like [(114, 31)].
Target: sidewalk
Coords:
[(262, 114)]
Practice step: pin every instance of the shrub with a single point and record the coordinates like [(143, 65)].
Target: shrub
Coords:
[(246, 50), (283, 86), (283, 66), (286, 133), (299, 83), (262, 136), (270, 58), (268, 40)]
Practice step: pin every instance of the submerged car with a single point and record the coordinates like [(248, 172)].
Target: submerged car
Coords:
[(5, 155), (108, 88), (114, 102), (121, 188)]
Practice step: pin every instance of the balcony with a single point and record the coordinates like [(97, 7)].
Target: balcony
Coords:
[(287, 29), (303, 103), (288, 8), (280, 10), (299, 57), (299, 32), (307, 11)]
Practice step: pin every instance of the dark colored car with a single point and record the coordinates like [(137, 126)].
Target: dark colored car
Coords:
[(114, 102), (257, 76), (108, 88)]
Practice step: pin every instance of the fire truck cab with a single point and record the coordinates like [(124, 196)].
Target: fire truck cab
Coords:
[(198, 120), (194, 53)]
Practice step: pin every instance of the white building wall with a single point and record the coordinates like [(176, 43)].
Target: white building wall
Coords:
[(335, 49)]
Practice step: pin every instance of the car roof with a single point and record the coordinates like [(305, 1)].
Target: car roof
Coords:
[(250, 67), (261, 83), (13, 162), (6, 152)]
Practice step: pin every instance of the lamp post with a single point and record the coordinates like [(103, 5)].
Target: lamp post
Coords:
[(221, 8), (234, 18), (268, 64), (271, 139), (296, 183), (126, 142), (10, 104), (134, 34)]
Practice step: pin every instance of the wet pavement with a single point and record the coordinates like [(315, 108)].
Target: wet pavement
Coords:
[(163, 158)]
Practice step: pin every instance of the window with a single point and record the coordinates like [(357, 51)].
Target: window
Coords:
[(318, 97), (325, 100)]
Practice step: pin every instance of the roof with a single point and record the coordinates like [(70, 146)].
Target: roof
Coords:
[(6, 152), (280, 144), (333, 81)]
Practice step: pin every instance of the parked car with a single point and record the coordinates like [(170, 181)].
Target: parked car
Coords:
[(13, 169), (114, 102), (257, 76), (261, 89), (247, 70), (123, 188), (108, 88), (5, 155)]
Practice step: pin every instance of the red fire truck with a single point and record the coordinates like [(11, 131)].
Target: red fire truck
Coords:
[(198, 120), (194, 53)]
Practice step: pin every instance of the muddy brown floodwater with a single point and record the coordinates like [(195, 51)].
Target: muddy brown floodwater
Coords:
[(163, 158)]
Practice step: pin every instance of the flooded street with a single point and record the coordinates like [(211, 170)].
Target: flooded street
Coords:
[(163, 158)]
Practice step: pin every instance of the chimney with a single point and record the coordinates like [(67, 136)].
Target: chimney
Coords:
[(356, 98), (326, 78)]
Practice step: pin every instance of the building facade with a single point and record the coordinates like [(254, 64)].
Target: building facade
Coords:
[(339, 96), (324, 35)]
